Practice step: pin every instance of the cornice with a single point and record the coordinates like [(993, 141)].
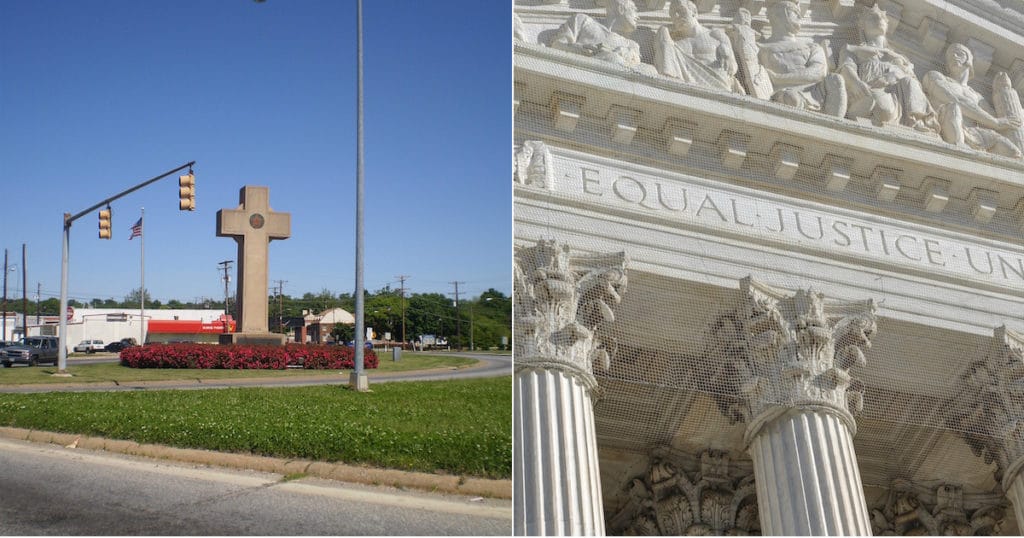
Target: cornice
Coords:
[(583, 101)]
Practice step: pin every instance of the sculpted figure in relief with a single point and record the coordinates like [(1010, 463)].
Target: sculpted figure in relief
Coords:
[(744, 44), (693, 53), (581, 34), (880, 82), (518, 31), (965, 118), (798, 67)]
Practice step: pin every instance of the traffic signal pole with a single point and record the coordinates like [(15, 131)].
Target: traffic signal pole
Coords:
[(62, 351)]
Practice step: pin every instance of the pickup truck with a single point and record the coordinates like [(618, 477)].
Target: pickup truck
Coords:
[(31, 351)]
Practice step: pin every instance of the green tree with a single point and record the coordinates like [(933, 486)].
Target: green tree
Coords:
[(132, 299), (343, 333)]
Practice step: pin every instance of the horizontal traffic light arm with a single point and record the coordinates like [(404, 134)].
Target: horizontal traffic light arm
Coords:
[(68, 219)]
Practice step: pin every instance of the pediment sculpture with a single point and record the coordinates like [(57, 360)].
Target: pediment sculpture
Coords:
[(880, 82), (967, 119), (694, 54), (866, 79), (610, 42)]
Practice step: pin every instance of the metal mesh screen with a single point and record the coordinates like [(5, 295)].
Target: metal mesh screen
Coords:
[(701, 187)]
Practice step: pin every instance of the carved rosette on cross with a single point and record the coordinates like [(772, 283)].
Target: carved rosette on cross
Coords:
[(789, 351), (562, 303), (989, 409)]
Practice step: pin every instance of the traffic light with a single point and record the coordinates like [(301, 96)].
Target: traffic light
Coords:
[(187, 192), (105, 223)]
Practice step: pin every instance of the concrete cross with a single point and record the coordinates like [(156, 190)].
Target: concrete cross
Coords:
[(253, 225)]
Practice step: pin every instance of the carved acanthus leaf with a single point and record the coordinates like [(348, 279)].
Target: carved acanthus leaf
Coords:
[(562, 305), (716, 500), (790, 351), (913, 509), (988, 412)]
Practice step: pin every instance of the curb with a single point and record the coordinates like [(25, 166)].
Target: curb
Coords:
[(479, 487)]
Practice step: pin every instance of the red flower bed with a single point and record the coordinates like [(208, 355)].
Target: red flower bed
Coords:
[(244, 356)]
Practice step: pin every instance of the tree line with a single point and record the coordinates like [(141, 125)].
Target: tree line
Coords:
[(484, 319)]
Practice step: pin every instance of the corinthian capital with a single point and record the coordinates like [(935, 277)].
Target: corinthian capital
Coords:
[(989, 410), (783, 351), (561, 304)]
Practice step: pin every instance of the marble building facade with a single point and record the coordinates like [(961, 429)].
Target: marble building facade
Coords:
[(769, 269)]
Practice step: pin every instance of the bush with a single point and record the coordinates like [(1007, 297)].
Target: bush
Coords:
[(307, 356)]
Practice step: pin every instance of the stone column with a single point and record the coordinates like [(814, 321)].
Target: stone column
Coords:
[(788, 374), (562, 303), (988, 412)]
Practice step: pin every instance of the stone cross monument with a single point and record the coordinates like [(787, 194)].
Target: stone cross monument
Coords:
[(253, 225)]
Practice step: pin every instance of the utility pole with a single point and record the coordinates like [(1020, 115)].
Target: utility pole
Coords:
[(280, 304), (401, 278), (39, 291), (226, 266), (458, 318), (24, 296), (3, 336)]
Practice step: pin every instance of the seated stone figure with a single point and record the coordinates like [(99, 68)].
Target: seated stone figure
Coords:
[(880, 82), (798, 67), (581, 34), (744, 45), (694, 54), (965, 118)]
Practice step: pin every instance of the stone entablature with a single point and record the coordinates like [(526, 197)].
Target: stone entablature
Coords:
[(581, 180), (696, 130), (905, 168)]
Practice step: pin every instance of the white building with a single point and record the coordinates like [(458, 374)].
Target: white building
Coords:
[(113, 324), (793, 310)]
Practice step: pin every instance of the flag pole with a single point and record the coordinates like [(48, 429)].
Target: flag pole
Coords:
[(142, 273)]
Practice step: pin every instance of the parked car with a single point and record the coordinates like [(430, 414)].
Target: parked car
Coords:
[(90, 346), (124, 343), (31, 351)]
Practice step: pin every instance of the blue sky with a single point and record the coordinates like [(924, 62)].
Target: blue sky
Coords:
[(99, 95)]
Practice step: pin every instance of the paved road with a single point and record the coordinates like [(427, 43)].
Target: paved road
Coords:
[(48, 490), (492, 366)]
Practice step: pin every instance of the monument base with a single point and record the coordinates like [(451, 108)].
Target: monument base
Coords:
[(358, 382), (259, 339)]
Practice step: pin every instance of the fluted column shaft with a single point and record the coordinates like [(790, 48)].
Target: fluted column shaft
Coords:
[(808, 483), (557, 482)]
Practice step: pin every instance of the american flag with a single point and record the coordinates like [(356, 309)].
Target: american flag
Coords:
[(136, 230)]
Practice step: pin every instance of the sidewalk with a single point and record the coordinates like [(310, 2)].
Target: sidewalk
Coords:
[(481, 487)]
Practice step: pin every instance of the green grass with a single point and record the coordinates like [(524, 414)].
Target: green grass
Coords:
[(107, 372), (461, 427)]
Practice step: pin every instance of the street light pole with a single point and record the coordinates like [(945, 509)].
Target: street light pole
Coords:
[(358, 380)]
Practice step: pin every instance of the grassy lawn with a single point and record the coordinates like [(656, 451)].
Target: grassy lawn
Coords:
[(461, 427), (107, 372)]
